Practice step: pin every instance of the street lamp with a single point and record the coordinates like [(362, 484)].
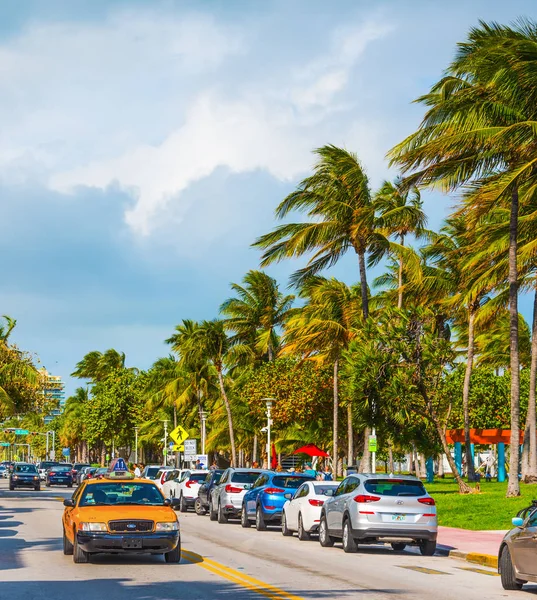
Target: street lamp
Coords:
[(203, 415), (165, 451), (136, 445), (268, 403)]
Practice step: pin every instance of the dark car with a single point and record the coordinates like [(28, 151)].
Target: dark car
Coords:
[(24, 475), (84, 473), (201, 505), (77, 467), (59, 475), (99, 473)]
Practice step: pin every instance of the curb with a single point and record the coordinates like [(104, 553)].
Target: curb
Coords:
[(487, 560)]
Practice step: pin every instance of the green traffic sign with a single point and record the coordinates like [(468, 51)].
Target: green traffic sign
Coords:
[(5, 444), (21, 432), (372, 443)]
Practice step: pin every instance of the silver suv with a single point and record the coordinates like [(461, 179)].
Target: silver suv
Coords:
[(226, 497), (366, 509)]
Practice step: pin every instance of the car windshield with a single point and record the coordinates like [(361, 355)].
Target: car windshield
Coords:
[(395, 487), (120, 493), (79, 466), (25, 469), (60, 469), (244, 477), (290, 481), (47, 465), (197, 477), (152, 472), (323, 490)]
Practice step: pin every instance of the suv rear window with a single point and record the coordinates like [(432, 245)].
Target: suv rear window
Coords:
[(290, 482), (395, 487), (25, 469), (151, 473), (244, 477), (197, 477)]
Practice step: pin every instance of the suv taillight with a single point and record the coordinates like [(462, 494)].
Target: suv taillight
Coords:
[(316, 502), (363, 499), (274, 491), (428, 501), (230, 489)]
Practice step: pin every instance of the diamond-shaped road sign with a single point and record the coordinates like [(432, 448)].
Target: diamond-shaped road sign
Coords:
[(179, 435)]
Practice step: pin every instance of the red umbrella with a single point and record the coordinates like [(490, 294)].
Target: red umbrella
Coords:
[(311, 450), (274, 457)]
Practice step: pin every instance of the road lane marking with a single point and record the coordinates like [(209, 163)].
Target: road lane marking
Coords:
[(482, 571), (250, 583), (424, 570)]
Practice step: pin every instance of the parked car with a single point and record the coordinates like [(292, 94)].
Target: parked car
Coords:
[(160, 477), (24, 475), (150, 471), (99, 473), (302, 513), (76, 469), (83, 473), (226, 499), (186, 488), (378, 508), (9, 468), (60, 475), (212, 479), (263, 503), (44, 466), (517, 553), (170, 479)]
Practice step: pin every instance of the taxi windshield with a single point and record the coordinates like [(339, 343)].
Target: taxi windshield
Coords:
[(121, 493)]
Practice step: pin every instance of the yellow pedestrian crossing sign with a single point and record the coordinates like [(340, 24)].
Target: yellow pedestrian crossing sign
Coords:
[(179, 435)]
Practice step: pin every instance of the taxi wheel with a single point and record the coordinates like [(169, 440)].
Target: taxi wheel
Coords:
[(182, 504), (79, 556), (67, 546), (303, 535), (174, 556), (222, 517)]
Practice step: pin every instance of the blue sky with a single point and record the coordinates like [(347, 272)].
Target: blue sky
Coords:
[(145, 145)]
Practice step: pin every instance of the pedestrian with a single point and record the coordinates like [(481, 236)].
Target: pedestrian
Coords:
[(309, 470), (327, 474), (198, 464), (255, 465), (213, 466), (137, 472)]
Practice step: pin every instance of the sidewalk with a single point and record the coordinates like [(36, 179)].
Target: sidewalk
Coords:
[(475, 546)]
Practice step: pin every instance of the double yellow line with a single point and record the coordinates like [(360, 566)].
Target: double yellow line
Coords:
[(250, 583)]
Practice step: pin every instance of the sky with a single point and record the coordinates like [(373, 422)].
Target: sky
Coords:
[(145, 144)]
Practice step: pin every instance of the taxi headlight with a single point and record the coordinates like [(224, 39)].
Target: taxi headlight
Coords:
[(93, 527), (171, 526), (36, 477), (15, 476)]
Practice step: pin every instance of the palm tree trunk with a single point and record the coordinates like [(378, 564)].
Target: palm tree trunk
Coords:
[(174, 426), (365, 464), (400, 278), (254, 452), (513, 487), (466, 393), (229, 418), (530, 431), (390, 456), (350, 434), (335, 416), (363, 284)]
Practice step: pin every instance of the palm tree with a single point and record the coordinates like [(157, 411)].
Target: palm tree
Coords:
[(479, 130), (400, 214), (7, 328), (337, 200), (256, 313), (321, 330), (73, 424), (98, 365)]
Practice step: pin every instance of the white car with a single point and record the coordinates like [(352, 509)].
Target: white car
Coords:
[(170, 481), (302, 513), (187, 486), (162, 476)]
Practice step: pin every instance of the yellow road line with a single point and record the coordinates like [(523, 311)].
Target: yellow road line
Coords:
[(482, 571), (424, 570), (255, 585)]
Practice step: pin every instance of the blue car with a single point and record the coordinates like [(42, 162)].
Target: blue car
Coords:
[(59, 475), (263, 503)]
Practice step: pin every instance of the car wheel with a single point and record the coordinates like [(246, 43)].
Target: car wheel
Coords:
[(222, 518), (325, 539), (199, 508), (245, 522), (70, 485), (212, 513), (259, 520), (79, 556), (37, 488), (285, 530), (174, 556), (47, 484), (349, 544), (428, 547), (507, 571), (303, 535), (182, 504), (398, 546), (11, 487), (67, 546)]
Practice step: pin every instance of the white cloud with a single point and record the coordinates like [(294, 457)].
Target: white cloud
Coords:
[(269, 125)]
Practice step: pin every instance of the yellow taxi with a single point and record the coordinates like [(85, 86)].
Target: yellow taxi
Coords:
[(119, 514)]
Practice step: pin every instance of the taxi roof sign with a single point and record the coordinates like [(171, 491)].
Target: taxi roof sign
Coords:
[(118, 464)]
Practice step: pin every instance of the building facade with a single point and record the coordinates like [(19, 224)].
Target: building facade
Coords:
[(53, 388)]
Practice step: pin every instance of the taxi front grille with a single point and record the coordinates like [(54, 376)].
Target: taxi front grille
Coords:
[(130, 526)]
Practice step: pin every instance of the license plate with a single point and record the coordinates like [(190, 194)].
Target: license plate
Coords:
[(132, 544), (398, 517)]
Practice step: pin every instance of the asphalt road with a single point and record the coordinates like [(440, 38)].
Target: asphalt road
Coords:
[(219, 561)]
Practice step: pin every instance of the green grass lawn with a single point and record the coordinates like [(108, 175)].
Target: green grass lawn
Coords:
[(489, 509)]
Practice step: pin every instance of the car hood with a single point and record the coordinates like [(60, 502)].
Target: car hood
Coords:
[(125, 512)]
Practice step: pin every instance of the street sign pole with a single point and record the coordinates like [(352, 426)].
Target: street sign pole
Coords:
[(165, 451)]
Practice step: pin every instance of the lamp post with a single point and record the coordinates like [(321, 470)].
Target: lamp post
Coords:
[(136, 445), (165, 451), (268, 403), (203, 415)]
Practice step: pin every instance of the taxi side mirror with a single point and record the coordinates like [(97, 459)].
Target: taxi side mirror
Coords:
[(68, 502)]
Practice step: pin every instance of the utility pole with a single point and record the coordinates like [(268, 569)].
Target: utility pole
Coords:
[(47, 454), (136, 445), (165, 452), (203, 432)]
